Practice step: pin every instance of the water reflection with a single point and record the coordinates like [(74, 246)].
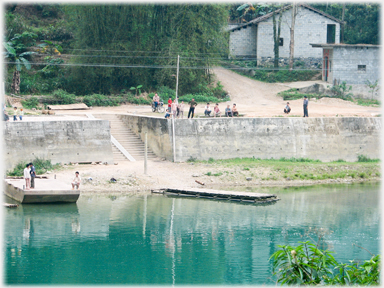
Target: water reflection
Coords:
[(153, 239)]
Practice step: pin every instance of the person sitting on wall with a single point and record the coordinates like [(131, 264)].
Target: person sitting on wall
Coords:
[(167, 113), (234, 110), (228, 112), (207, 110), (216, 110), (76, 181), (287, 108)]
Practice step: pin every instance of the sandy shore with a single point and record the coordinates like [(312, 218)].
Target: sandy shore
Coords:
[(130, 177)]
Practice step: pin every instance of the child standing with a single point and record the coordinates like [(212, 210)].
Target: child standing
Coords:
[(21, 114), (15, 113)]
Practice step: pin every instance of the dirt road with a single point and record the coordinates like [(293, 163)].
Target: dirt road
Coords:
[(257, 99)]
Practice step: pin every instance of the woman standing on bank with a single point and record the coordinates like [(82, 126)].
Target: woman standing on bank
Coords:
[(27, 177)]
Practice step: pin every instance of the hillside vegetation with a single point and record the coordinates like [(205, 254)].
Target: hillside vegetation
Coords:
[(112, 53)]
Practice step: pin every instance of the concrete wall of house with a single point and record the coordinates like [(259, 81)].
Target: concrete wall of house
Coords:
[(345, 68), (58, 141), (159, 133), (326, 139), (242, 43), (310, 27)]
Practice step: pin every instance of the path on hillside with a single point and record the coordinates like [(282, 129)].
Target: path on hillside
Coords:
[(255, 98)]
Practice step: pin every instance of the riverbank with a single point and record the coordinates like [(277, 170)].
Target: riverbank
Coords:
[(130, 177)]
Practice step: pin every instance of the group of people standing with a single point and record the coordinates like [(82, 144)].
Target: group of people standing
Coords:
[(17, 113), (29, 176)]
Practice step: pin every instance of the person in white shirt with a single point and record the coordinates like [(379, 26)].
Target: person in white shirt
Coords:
[(156, 100), (174, 109), (76, 181), (181, 110), (27, 177), (207, 110)]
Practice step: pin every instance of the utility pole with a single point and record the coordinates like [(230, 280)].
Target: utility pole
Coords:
[(343, 24), (145, 153), (173, 119), (177, 75), (292, 41)]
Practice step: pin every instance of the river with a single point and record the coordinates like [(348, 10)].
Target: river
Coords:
[(154, 239)]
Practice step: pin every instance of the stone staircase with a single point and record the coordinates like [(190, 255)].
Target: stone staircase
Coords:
[(130, 141)]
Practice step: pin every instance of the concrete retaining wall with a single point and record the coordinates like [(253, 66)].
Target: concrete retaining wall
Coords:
[(158, 132), (59, 141), (326, 139)]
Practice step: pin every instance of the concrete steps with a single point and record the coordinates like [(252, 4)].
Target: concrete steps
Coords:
[(129, 140)]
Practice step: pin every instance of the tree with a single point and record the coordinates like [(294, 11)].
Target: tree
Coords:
[(145, 40), (19, 60), (292, 37), (276, 36), (374, 87)]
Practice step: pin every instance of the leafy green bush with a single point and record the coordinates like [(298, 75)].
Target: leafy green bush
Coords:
[(64, 97), (306, 264), (363, 158), (165, 92), (341, 90), (218, 91), (100, 100), (30, 103), (40, 164), (200, 98)]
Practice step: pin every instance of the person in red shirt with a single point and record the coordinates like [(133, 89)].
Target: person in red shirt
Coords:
[(169, 103)]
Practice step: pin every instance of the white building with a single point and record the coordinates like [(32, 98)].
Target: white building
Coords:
[(255, 38)]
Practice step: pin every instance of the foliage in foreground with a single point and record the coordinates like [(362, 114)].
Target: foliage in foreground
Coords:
[(41, 167), (306, 264)]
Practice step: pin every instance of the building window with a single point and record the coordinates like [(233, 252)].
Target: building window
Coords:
[(362, 68), (281, 41), (331, 33)]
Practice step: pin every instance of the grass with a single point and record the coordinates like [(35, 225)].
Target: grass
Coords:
[(295, 168), (293, 94), (363, 158)]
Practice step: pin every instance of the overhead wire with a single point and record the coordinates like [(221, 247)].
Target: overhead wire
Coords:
[(173, 66)]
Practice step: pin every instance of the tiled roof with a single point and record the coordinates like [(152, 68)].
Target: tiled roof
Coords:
[(287, 7)]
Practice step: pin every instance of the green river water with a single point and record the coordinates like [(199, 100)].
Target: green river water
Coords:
[(153, 239)]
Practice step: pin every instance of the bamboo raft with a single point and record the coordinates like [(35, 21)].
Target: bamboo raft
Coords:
[(248, 197)]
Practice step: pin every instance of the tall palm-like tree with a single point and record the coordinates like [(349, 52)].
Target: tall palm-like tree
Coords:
[(19, 60)]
